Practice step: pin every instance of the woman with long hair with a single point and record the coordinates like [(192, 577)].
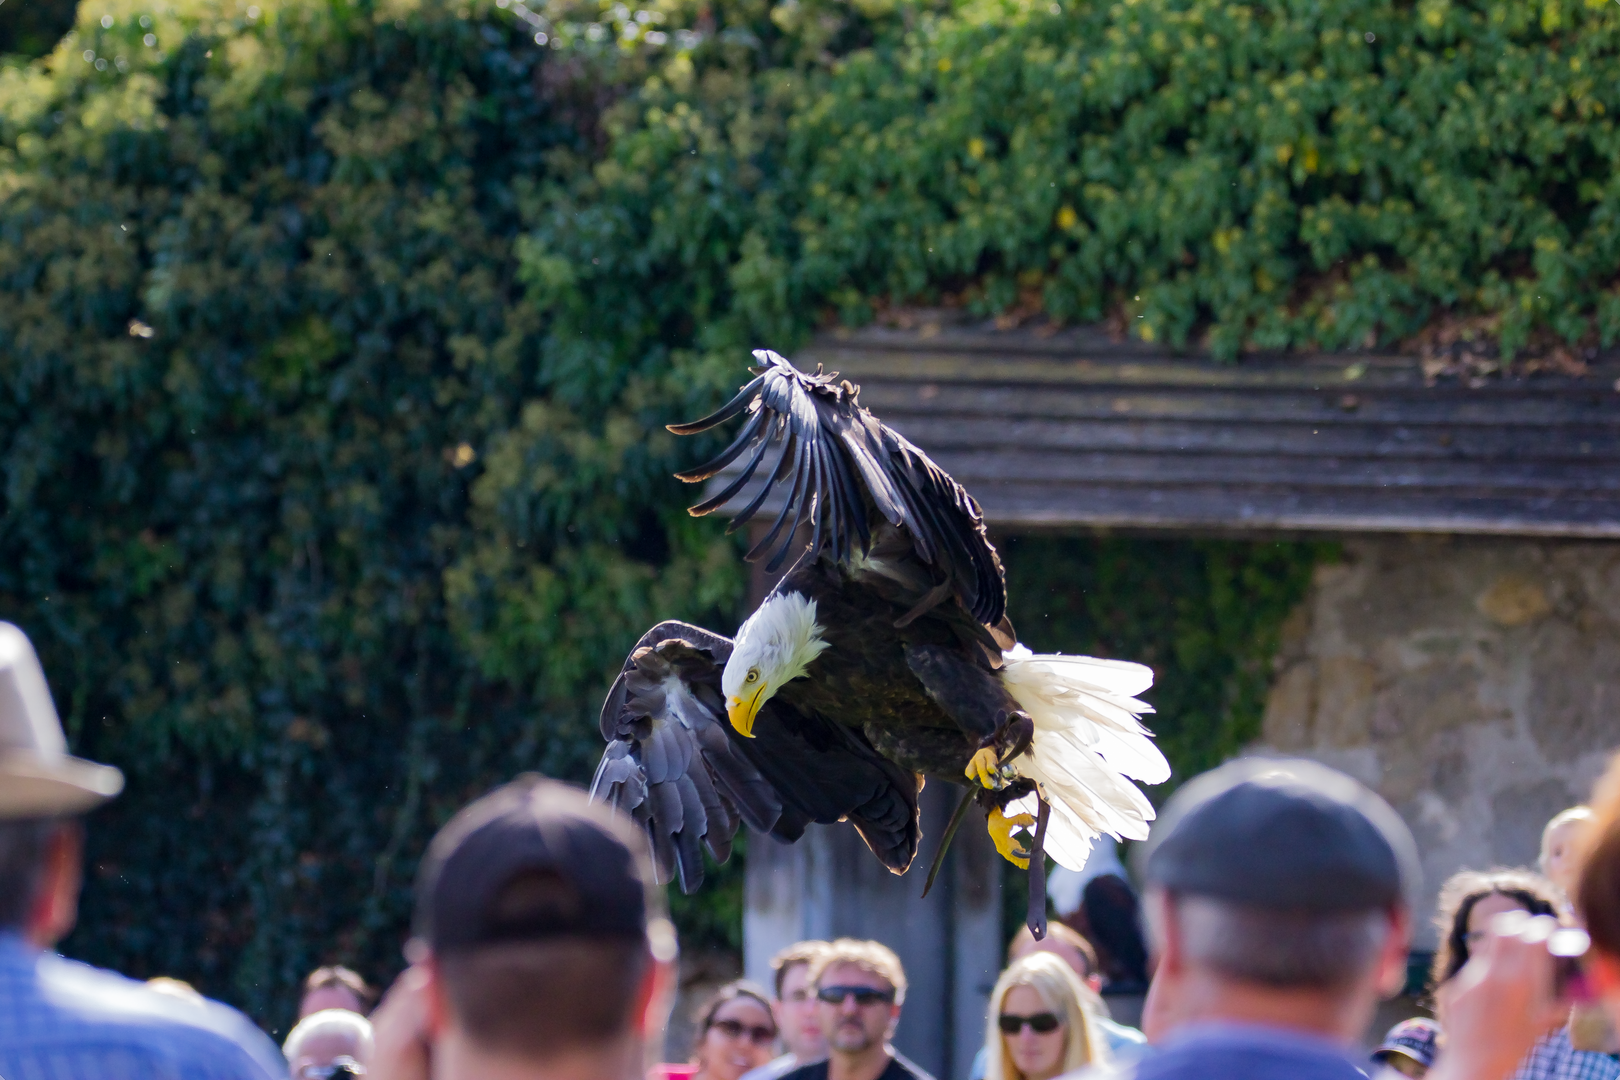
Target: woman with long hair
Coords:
[(1041, 1022), (1469, 900), (1469, 903), (736, 1032)]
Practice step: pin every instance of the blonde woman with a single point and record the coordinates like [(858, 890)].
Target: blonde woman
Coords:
[(1040, 1022)]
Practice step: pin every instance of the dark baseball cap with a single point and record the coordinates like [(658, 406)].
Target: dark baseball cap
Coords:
[(533, 860), (1283, 833)]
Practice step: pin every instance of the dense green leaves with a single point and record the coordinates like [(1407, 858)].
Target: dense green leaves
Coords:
[(1273, 175), (277, 426)]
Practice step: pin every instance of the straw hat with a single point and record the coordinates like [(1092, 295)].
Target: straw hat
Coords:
[(38, 778)]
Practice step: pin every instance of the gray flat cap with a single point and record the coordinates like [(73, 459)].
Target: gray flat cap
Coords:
[(1283, 833)]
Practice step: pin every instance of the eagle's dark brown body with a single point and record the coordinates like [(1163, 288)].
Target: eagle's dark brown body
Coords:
[(868, 678)]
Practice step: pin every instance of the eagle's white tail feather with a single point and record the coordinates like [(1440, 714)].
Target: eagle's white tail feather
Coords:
[(1120, 677), (1059, 694), (1087, 742)]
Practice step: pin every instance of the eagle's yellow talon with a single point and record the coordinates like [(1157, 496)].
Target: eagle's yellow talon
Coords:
[(982, 767), (1001, 829)]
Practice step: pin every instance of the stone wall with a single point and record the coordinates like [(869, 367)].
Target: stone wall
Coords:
[(1474, 682)]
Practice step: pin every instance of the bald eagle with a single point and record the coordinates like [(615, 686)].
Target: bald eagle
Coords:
[(883, 656)]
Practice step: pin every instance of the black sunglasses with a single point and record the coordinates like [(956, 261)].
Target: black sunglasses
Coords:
[(1040, 1023), (735, 1029), (864, 995)]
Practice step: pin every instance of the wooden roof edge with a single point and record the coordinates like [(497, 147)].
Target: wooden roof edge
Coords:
[(1303, 524), (1082, 355)]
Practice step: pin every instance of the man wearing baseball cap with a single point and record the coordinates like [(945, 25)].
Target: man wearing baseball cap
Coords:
[(1278, 899), (60, 1019), (540, 949)]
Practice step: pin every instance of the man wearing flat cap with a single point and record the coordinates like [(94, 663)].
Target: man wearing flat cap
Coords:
[(1278, 900), (59, 1019)]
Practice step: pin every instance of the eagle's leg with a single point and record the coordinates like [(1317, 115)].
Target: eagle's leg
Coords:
[(1012, 736), (1035, 914), (979, 703)]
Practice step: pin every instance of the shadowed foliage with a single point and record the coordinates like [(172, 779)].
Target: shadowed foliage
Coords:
[(275, 422), (33, 27)]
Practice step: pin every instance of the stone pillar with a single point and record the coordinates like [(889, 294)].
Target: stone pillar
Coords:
[(1473, 682), (828, 885)]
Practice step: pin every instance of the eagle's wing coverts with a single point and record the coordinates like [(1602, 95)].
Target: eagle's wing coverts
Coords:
[(841, 465), (669, 762), (674, 764)]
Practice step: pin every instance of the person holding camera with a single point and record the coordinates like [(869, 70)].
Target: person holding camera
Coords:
[(1278, 902), (1468, 903)]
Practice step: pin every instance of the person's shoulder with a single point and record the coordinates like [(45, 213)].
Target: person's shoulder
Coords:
[(1116, 1032), (816, 1070), (774, 1069), (1554, 1057), (1110, 1070), (901, 1067), (120, 1010), (1246, 1052)]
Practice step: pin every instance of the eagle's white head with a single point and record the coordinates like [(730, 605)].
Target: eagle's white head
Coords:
[(774, 646)]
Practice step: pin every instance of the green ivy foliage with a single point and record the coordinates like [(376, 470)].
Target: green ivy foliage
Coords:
[(276, 424), (1333, 174)]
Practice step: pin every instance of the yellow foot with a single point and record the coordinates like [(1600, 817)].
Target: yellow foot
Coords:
[(1001, 834), (982, 767)]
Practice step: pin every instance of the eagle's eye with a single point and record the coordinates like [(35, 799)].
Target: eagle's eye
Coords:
[(753, 675)]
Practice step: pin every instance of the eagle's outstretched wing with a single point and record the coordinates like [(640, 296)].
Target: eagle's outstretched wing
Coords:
[(844, 465), (669, 763), (674, 764)]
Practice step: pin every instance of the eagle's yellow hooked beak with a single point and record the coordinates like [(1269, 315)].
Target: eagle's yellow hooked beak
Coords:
[(742, 712)]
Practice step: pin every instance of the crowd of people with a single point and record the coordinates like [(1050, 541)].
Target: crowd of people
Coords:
[(1277, 900)]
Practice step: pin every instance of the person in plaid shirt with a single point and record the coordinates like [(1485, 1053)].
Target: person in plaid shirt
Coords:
[(61, 1020)]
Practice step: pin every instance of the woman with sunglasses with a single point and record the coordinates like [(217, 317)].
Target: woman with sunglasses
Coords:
[(1041, 1022), (736, 1032)]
